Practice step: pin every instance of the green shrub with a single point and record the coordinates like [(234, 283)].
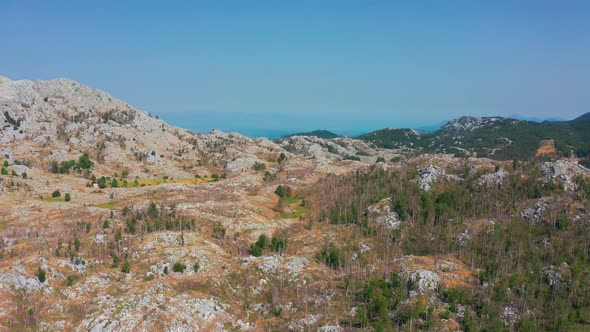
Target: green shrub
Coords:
[(351, 157), (284, 191), (152, 210), (562, 222), (218, 231), (278, 244), (282, 157), (84, 162), (331, 256), (41, 275), (178, 267), (126, 268), (67, 197), (116, 260), (259, 166), (102, 182), (56, 194), (255, 250), (262, 241)]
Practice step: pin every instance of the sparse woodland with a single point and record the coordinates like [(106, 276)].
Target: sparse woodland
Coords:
[(540, 269)]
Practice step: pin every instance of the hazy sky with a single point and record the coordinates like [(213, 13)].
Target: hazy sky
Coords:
[(296, 65)]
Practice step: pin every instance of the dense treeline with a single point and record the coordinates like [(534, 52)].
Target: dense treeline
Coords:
[(540, 269)]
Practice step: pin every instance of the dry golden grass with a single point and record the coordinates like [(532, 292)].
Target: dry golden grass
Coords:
[(105, 205), (547, 147), (154, 182)]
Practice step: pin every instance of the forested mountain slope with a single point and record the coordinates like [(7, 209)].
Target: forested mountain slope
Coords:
[(495, 137)]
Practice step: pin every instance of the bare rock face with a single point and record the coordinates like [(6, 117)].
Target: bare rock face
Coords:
[(317, 148), (41, 110), (330, 328), (431, 174), (383, 214), (493, 179), (534, 214), (425, 280), (510, 315), (468, 123), (19, 281), (242, 164), (556, 275), (335, 149), (562, 172)]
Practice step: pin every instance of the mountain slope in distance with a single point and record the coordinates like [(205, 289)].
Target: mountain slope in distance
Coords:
[(321, 133), (492, 137)]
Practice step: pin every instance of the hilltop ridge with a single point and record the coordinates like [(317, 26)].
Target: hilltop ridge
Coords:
[(57, 120), (492, 137)]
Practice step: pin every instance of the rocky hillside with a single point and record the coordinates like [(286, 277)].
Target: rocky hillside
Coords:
[(112, 220), (56, 121), (336, 149), (391, 138), (469, 123)]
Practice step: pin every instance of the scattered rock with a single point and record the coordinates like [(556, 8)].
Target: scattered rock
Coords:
[(493, 179), (382, 213), (424, 279), (562, 172), (535, 213), (18, 281), (510, 315), (431, 174)]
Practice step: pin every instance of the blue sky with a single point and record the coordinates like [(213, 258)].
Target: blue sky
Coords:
[(349, 66)]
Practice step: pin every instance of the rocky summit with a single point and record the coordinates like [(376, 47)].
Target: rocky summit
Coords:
[(113, 220)]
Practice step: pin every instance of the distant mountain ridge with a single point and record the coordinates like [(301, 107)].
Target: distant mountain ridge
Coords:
[(492, 137), (59, 119), (583, 117), (321, 133), (391, 138)]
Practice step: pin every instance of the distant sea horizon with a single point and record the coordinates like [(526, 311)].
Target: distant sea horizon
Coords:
[(273, 126)]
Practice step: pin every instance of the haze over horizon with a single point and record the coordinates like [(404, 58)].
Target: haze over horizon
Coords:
[(349, 67)]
